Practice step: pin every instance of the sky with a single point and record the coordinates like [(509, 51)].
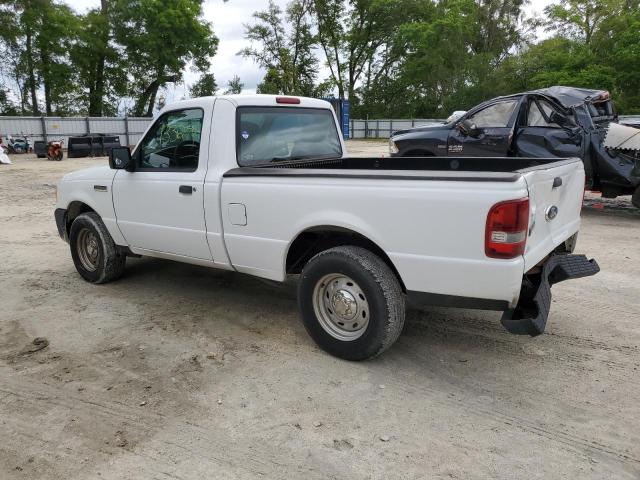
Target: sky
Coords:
[(228, 19)]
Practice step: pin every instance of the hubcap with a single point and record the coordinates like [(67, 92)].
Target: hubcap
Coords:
[(341, 307), (88, 249)]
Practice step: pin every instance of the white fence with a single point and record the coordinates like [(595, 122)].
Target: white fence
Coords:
[(129, 129)]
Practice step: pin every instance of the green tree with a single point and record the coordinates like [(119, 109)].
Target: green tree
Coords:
[(100, 66), (234, 86), (159, 38), (7, 107), (57, 30), (37, 36), (452, 49), (286, 54), (206, 86), (590, 49), (580, 19), (358, 39)]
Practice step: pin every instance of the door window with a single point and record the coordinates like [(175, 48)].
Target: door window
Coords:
[(173, 143), (536, 117), (494, 116)]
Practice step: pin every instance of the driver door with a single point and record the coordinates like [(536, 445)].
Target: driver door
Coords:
[(159, 206), (541, 137), (494, 124)]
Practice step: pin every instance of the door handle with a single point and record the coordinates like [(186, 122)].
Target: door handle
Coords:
[(187, 189)]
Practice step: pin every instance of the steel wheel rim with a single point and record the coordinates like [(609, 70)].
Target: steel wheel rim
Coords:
[(88, 249), (341, 307)]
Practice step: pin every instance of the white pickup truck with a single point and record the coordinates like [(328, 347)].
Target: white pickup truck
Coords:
[(262, 185)]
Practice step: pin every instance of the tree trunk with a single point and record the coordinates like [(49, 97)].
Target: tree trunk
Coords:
[(96, 93), (152, 99), (144, 98), (31, 74), (46, 80)]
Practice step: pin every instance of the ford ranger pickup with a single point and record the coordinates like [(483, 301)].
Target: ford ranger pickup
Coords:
[(262, 185)]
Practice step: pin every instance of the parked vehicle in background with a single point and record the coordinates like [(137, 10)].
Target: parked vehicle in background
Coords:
[(54, 150), (552, 122), (91, 145), (18, 144), (261, 185)]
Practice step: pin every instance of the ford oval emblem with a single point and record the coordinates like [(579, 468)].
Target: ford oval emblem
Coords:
[(551, 213)]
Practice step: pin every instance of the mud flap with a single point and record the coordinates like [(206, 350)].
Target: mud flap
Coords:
[(529, 317)]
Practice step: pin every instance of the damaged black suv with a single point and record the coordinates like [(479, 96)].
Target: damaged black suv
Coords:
[(551, 122)]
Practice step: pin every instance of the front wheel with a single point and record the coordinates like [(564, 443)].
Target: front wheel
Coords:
[(351, 302), (94, 252)]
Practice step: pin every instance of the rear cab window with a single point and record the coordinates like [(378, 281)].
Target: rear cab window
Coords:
[(273, 134)]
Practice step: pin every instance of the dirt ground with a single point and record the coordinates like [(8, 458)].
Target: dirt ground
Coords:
[(181, 372)]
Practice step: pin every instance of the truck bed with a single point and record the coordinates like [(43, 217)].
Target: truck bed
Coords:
[(493, 169)]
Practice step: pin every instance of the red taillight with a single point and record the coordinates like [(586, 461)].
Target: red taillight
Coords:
[(506, 232), (288, 100)]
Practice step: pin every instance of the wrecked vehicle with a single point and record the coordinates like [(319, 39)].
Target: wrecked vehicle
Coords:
[(550, 122)]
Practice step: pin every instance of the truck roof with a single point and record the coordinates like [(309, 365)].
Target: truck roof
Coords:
[(254, 100)]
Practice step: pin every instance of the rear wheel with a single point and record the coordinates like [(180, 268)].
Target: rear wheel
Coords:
[(351, 302), (94, 252), (635, 199)]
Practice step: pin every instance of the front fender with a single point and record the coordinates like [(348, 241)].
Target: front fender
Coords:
[(95, 194)]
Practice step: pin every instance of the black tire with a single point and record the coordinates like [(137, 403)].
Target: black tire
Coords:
[(108, 262), (635, 199), (384, 299)]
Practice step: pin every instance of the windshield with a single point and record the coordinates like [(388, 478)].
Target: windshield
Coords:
[(272, 134)]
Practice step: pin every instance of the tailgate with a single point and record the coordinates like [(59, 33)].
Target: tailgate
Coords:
[(555, 200)]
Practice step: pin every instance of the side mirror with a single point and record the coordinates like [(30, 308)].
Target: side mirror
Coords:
[(469, 128), (120, 159)]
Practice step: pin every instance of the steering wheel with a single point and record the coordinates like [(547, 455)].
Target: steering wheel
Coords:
[(194, 146), (184, 143)]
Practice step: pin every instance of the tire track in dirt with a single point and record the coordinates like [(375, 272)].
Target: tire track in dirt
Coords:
[(502, 416), (474, 333), (232, 452)]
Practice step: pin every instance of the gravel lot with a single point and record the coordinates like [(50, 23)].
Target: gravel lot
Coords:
[(181, 372)]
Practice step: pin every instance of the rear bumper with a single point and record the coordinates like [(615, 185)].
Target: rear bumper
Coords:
[(61, 222), (529, 317)]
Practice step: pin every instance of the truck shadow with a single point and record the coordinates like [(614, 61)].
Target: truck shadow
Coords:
[(271, 307), (444, 348)]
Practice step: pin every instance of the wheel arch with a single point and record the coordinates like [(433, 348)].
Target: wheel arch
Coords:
[(316, 239), (418, 152), (74, 209)]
